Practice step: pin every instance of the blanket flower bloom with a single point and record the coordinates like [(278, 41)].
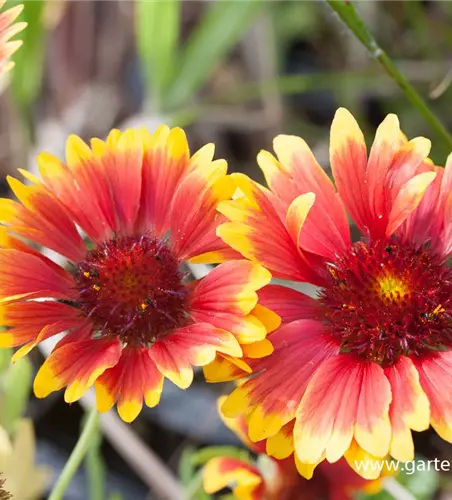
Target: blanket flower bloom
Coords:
[(130, 317), (9, 28), (356, 370), (265, 478)]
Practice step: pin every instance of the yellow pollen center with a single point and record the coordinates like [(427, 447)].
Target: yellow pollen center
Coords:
[(392, 287)]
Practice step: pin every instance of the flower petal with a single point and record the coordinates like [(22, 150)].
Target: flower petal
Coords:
[(26, 319), (166, 160), (258, 232), (435, 373), (226, 368), (388, 140), (240, 428), (43, 219), (7, 30), (409, 408), (345, 398), (245, 479), (134, 378), (425, 224), (26, 273), (193, 226), (227, 298), (289, 304), (363, 463), (122, 167), (408, 199), (230, 287), (211, 249), (76, 365), (82, 189), (442, 238), (348, 157), (193, 345), (272, 397), (325, 232), (281, 446), (296, 215)]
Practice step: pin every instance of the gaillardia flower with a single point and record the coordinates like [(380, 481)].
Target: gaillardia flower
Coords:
[(8, 28), (355, 370), (123, 300), (265, 478)]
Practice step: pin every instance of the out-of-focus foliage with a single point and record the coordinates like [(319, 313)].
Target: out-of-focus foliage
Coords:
[(29, 68), (16, 393), (222, 26), (157, 29), (15, 390), (175, 73)]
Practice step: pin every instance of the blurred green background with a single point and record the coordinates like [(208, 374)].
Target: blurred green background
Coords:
[(236, 73)]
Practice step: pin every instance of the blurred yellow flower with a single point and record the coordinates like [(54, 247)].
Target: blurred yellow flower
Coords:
[(22, 478)]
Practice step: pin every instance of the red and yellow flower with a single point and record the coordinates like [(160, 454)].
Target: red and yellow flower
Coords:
[(270, 479), (145, 207), (9, 28), (356, 370)]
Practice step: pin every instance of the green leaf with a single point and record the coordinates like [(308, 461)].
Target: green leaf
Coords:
[(29, 59), (16, 388), (222, 26), (157, 31)]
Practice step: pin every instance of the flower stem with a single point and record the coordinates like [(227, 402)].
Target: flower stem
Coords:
[(77, 455), (347, 12)]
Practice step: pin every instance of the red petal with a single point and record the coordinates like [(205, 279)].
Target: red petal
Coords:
[(435, 374), (76, 365), (134, 378), (325, 231), (272, 397), (27, 273), (193, 345), (289, 304), (346, 397)]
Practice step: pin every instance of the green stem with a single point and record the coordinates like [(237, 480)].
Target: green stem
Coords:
[(95, 467), (347, 12), (77, 455)]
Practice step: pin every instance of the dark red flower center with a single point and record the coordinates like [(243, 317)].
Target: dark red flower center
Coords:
[(132, 287), (386, 300)]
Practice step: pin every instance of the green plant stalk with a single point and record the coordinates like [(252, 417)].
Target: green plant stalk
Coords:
[(95, 467), (347, 12), (78, 453)]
